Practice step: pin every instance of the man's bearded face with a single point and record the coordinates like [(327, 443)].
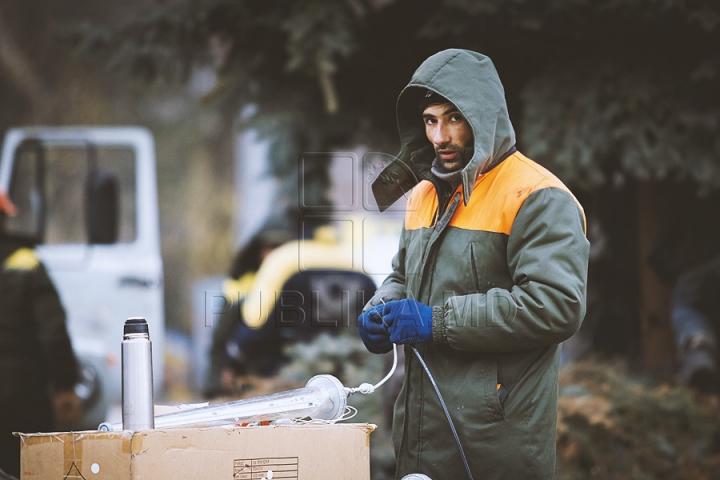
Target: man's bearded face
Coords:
[(449, 132)]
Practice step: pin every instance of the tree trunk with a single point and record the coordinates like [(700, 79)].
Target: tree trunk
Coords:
[(22, 74), (656, 336)]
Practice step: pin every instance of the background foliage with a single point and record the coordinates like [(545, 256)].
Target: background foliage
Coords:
[(606, 94), (595, 88), (609, 95)]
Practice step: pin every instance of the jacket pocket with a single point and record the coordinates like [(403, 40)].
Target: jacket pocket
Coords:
[(469, 388), (486, 401), (493, 394)]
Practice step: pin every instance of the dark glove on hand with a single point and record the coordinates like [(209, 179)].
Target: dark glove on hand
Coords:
[(372, 331), (408, 321)]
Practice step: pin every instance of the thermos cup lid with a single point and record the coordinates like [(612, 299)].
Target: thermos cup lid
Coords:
[(135, 325)]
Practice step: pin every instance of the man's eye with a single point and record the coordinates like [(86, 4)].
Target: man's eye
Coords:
[(456, 118), (430, 121)]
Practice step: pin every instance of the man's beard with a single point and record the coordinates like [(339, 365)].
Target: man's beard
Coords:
[(454, 164)]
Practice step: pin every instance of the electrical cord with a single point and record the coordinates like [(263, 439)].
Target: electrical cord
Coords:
[(447, 414), (367, 388), (349, 413)]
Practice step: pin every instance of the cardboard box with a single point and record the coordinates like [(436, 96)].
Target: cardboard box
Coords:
[(309, 452)]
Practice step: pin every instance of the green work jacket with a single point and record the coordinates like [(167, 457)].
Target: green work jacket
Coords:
[(502, 260)]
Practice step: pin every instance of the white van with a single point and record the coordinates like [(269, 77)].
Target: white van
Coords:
[(89, 197)]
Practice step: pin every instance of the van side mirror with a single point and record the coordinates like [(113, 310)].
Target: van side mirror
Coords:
[(102, 207), (27, 190)]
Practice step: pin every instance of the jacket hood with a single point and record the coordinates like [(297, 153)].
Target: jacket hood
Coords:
[(468, 80)]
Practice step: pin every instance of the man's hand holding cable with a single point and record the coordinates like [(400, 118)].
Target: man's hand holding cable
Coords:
[(373, 331), (408, 321)]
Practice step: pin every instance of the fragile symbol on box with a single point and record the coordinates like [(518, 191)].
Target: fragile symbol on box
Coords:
[(270, 468)]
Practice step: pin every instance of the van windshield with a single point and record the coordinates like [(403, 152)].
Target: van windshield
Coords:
[(52, 187)]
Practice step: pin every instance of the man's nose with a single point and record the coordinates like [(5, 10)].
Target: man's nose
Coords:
[(440, 135)]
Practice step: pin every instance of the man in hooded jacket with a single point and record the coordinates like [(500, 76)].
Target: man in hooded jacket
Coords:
[(488, 280)]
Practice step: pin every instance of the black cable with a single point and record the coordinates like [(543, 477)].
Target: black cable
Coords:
[(447, 414)]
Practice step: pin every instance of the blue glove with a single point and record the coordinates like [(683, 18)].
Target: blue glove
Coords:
[(373, 332), (408, 321)]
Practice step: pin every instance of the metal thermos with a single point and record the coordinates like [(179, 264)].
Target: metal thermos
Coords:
[(137, 377)]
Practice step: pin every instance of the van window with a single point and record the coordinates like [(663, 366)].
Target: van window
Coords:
[(66, 169), (63, 182)]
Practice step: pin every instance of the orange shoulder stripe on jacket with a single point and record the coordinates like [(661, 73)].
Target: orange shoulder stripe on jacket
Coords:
[(495, 201), (421, 206)]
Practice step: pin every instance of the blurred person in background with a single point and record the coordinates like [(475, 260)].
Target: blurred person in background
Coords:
[(240, 280), (490, 276), (38, 368), (695, 317), (300, 289), (687, 258)]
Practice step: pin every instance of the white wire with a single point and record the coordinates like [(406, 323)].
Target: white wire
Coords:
[(367, 388), (392, 370), (349, 413)]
